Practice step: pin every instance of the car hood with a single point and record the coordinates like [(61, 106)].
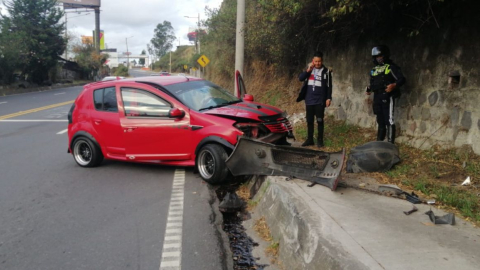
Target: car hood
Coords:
[(250, 110)]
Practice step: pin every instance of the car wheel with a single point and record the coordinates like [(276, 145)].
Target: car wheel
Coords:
[(86, 153), (211, 163)]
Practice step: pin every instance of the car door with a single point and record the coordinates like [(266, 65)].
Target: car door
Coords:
[(149, 132), (241, 90), (106, 122)]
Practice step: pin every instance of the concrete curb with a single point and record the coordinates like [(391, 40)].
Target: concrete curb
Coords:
[(307, 241), (352, 229), (16, 91)]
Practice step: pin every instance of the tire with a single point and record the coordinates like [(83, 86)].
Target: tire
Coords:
[(86, 153), (211, 164)]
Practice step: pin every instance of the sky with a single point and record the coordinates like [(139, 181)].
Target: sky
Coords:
[(135, 21)]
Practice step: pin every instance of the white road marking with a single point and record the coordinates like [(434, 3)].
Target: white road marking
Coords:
[(63, 131), (3, 102), (172, 251), (59, 94), (34, 120)]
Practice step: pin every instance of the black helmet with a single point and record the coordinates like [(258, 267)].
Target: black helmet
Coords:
[(381, 50)]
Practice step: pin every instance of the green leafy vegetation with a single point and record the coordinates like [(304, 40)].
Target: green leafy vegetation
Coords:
[(30, 39)]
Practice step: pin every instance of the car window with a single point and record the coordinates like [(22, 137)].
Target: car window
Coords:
[(105, 99), (140, 103), (200, 95)]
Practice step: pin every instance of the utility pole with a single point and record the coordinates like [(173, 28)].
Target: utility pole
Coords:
[(170, 61), (240, 41), (97, 29)]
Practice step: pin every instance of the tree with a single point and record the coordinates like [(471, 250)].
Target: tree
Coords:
[(88, 59), (11, 51), (162, 40), (142, 60), (37, 28)]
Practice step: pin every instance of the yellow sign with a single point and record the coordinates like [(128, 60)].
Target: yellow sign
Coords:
[(203, 61), (185, 67), (194, 68)]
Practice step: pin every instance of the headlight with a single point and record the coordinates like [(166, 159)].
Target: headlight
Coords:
[(252, 130)]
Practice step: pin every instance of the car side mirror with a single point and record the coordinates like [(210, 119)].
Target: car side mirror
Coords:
[(248, 97), (176, 113)]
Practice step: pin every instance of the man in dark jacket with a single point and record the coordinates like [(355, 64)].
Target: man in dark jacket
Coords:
[(317, 93), (385, 80)]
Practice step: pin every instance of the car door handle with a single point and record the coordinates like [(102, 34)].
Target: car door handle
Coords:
[(129, 129), (97, 121)]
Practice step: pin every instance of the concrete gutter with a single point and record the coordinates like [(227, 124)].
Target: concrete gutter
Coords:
[(352, 229), (14, 91)]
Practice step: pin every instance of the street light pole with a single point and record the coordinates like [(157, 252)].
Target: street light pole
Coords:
[(197, 31), (128, 54)]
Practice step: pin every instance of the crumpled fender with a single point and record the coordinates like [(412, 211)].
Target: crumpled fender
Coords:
[(253, 157)]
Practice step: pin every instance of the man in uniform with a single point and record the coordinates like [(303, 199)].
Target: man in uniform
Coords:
[(385, 80)]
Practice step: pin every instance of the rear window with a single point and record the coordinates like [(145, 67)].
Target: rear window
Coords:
[(105, 99)]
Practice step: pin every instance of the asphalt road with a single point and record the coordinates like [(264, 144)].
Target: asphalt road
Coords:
[(57, 215)]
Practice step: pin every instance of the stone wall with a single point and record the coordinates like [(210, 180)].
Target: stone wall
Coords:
[(439, 102)]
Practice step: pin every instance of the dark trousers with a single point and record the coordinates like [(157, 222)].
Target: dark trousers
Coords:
[(315, 111)]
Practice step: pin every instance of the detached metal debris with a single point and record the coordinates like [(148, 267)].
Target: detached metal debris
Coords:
[(252, 157)]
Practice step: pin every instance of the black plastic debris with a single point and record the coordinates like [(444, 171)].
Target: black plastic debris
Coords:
[(413, 198), (446, 219), (414, 209), (231, 203), (372, 157)]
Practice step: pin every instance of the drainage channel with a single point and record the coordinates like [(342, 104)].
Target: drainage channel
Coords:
[(233, 211)]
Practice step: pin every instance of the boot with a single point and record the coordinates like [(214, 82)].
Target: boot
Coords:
[(320, 134), (391, 134), (382, 131), (309, 140)]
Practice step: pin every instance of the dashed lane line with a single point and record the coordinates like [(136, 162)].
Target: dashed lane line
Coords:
[(63, 131), (172, 242), (3, 117), (3, 102)]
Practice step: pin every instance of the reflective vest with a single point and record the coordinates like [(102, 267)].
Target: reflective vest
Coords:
[(381, 77)]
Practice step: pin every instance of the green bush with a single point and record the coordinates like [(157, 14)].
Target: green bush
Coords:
[(121, 71)]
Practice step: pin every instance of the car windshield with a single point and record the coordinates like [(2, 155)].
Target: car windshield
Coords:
[(202, 95)]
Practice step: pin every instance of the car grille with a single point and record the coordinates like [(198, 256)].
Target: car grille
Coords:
[(279, 126)]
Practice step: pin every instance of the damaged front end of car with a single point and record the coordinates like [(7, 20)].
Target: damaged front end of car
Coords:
[(272, 129), (255, 157)]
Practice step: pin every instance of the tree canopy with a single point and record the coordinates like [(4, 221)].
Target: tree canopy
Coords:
[(162, 40), (32, 37)]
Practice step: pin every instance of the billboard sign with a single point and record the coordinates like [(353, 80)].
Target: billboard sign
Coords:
[(80, 3), (87, 40)]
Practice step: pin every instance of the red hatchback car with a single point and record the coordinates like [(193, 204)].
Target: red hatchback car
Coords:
[(169, 120)]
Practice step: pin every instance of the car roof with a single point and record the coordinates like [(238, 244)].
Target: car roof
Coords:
[(160, 80)]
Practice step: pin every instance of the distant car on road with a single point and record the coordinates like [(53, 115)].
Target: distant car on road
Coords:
[(112, 78), (163, 73), (181, 121)]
